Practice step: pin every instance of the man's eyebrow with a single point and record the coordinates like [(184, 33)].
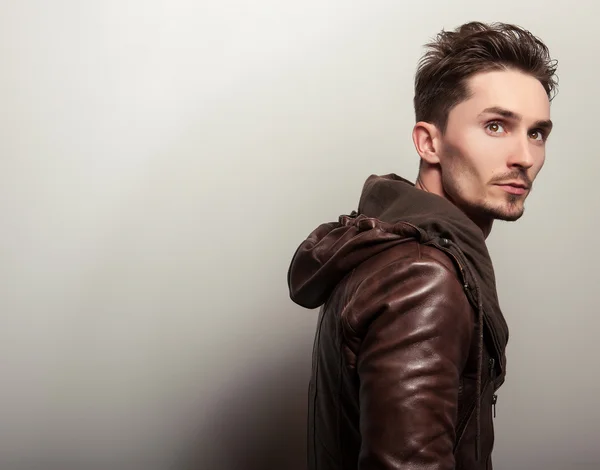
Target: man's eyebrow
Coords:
[(545, 124), (508, 114)]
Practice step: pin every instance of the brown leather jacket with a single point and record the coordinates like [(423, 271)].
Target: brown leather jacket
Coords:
[(409, 347)]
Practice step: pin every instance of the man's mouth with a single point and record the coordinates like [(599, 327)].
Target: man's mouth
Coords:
[(514, 187)]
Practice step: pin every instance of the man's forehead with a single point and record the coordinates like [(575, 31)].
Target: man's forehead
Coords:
[(511, 90)]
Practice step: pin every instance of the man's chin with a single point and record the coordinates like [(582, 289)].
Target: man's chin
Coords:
[(507, 210), (508, 214), (512, 217)]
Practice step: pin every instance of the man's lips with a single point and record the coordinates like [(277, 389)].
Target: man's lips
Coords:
[(514, 188)]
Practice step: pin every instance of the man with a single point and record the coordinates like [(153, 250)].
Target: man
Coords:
[(410, 344)]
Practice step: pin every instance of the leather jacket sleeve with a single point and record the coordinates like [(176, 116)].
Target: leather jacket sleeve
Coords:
[(417, 326)]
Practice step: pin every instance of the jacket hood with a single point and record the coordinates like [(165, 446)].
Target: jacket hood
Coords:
[(390, 210)]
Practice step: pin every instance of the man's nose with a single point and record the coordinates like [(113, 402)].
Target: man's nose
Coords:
[(522, 155)]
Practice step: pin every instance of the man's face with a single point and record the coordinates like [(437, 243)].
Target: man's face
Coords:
[(495, 144)]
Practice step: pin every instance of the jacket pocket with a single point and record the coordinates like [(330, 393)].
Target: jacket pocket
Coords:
[(463, 422)]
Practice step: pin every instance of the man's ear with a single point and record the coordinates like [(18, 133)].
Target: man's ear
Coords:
[(426, 138)]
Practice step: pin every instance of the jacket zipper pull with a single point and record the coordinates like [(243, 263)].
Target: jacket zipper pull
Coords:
[(493, 375)]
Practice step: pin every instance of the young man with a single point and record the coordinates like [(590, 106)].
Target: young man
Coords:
[(410, 344)]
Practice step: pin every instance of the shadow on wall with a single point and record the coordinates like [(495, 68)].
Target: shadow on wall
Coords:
[(260, 420)]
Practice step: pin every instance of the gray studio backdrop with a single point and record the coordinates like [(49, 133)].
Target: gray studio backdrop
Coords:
[(159, 163)]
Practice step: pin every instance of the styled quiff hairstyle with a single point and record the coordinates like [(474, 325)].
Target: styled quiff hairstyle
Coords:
[(455, 56)]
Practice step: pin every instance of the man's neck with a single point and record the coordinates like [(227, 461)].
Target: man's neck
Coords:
[(485, 225)]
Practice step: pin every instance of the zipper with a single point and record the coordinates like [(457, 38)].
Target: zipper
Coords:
[(492, 363), (466, 287), (492, 332)]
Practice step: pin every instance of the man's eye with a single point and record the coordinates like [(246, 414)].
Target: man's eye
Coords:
[(495, 127), (536, 134)]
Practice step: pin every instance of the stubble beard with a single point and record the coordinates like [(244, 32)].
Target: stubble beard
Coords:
[(510, 209)]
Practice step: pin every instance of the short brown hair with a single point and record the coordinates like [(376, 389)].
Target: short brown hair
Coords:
[(454, 56)]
